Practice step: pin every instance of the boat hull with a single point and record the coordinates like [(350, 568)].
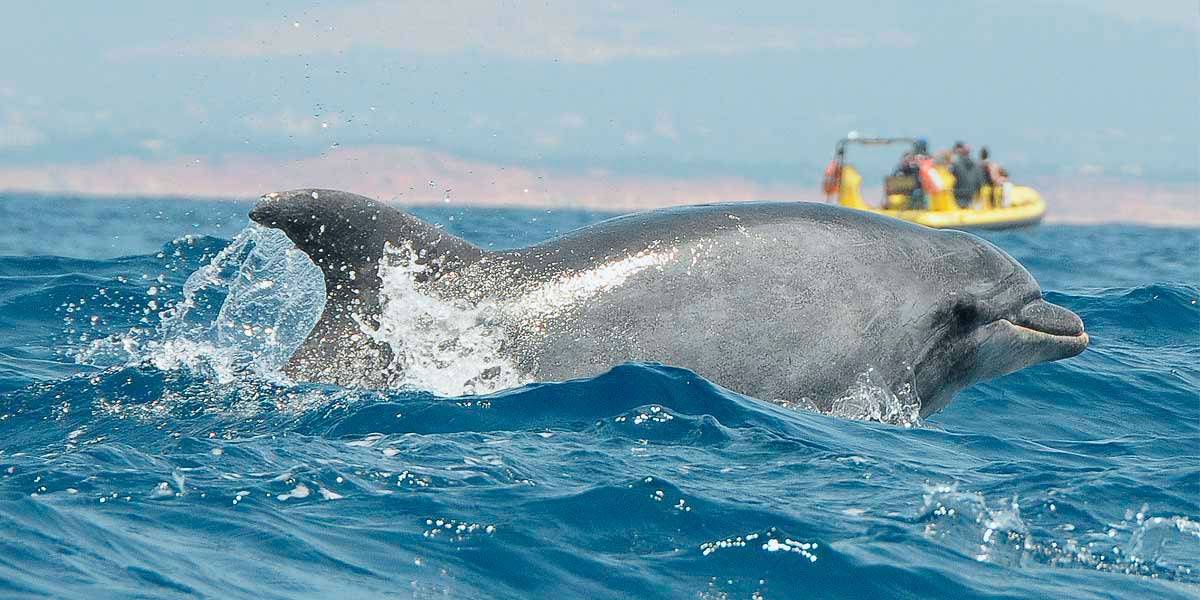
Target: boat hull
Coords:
[(1027, 208)]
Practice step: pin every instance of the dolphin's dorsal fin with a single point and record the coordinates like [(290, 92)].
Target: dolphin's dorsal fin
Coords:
[(345, 234)]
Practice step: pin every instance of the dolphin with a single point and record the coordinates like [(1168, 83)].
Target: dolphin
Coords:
[(789, 302)]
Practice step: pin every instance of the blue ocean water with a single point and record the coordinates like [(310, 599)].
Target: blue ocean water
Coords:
[(146, 450)]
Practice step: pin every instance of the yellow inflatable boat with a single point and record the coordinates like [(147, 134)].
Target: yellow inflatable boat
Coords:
[(1001, 207)]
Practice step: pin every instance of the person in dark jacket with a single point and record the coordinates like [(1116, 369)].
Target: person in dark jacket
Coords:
[(908, 168), (968, 177)]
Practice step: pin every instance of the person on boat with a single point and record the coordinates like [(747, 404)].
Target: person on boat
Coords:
[(1006, 187), (967, 175), (992, 177), (907, 167), (939, 182), (910, 166)]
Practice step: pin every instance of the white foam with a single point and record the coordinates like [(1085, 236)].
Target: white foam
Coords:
[(298, 492), (447, 347), (870, 399)]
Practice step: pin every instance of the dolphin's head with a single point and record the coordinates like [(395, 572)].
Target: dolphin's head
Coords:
[(989, 319)]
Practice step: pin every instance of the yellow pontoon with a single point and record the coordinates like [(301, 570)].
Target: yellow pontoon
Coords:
[(999, 208)]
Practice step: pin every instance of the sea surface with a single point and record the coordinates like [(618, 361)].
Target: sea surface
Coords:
[(150, 448)]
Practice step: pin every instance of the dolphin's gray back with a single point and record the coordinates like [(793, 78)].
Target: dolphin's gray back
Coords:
[(619, 236), (749, 291)]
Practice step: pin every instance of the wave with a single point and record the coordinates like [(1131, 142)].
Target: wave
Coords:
[(646, 462)]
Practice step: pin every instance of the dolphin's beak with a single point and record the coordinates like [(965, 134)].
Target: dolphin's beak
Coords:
[(1054, 329), (1035, 333)]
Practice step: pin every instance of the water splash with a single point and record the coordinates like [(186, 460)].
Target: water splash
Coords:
[(266, 295), (965, 520), (1159, 547), (448, 347), (869, 398)]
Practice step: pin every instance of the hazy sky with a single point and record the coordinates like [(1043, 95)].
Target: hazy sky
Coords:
[(752, 90)]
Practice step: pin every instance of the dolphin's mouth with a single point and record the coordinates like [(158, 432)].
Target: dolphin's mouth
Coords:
[(1049, 326)]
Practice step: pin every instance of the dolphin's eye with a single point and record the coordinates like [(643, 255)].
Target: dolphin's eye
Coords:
[(965, 312)]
